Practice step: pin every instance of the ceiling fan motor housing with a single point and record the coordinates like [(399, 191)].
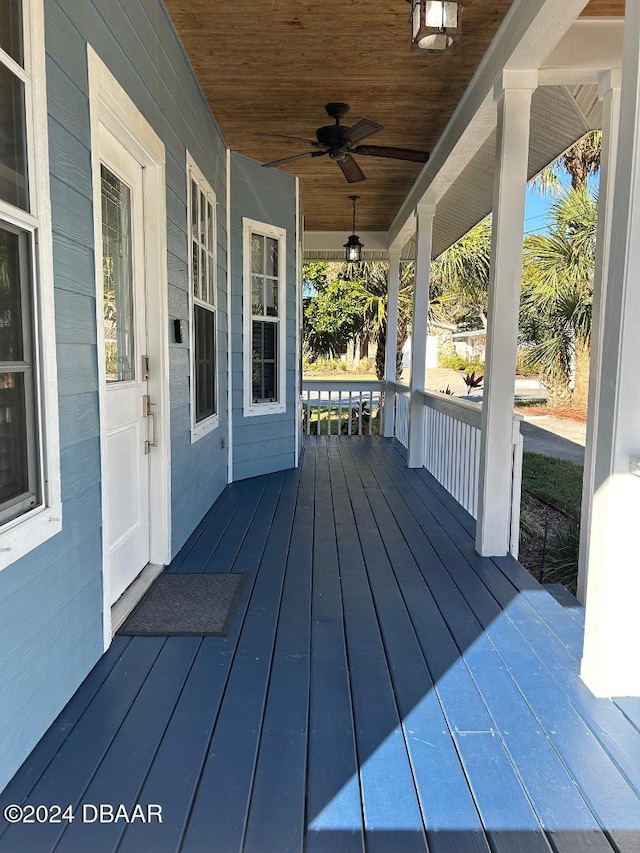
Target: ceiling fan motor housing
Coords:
[(332, 135)]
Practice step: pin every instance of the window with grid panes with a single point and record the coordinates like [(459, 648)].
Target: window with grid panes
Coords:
[(20, 465), (202, 231), (265, 317)]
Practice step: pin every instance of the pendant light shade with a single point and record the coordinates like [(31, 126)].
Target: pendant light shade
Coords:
[(435, 24)]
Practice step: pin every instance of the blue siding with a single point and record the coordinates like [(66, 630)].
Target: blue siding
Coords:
[(262, 444), (51, 600)]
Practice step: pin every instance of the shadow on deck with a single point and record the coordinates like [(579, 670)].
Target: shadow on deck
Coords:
[(382, 688)]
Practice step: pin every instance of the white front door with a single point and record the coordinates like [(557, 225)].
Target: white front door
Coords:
[(126, 425)]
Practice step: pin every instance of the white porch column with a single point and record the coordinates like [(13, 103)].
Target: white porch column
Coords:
[(610, 96), (424, 242), (392, 343), (512, 156), (611, 660)]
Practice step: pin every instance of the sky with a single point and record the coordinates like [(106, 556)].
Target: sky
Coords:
[(536, 211)]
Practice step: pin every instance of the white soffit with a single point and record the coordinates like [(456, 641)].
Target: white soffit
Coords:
[(558, 119), (590, 46)]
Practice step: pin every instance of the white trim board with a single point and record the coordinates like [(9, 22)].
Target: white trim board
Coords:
[(204, 427), (111, 107), (229, 352), (23, 534), (251, 409)]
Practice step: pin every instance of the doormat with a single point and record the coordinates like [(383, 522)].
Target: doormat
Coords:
[(186, 605)]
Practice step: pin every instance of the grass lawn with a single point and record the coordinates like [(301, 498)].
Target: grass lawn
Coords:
[(550, 519), (554, 481)]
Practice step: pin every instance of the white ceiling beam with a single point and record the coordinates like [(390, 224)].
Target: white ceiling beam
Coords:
[(331, 241)]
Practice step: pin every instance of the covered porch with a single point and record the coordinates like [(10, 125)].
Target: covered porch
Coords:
[(382, 688)]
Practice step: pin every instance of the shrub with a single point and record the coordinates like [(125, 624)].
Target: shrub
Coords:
[(451, 360), (324, 365)]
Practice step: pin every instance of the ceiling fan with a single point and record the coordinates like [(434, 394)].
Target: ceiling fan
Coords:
[(341, 142)]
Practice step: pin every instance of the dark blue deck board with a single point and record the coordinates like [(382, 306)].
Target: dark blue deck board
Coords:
[(334, 804), (391, 809), (221, 807), (545, 778), (612, 730), (227, 548), (134, 746), (447, 810), (382, 688), (479, 746), (277, 807), (208, 533)]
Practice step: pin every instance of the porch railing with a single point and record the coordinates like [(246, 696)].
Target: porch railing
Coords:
[(452, 446), (341, 407), (452, 449), (401, 421)]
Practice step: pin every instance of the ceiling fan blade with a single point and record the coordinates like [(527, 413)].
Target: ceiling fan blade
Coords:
[(392, 153), (350, 169), (294, 138), (296, 157), (365, 127)]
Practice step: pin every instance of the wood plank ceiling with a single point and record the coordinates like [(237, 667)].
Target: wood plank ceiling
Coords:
[(272, 65)]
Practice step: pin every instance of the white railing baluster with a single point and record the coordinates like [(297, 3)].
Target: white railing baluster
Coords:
[(348, 398), (452, 449)]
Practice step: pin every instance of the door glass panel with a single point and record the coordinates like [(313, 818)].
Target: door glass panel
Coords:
[(13, 144), (11, 29), (117, 267)]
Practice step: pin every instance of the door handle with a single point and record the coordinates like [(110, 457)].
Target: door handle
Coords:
[(147, 413)]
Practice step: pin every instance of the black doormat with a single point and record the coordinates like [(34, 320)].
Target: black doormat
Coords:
[(186, 605)]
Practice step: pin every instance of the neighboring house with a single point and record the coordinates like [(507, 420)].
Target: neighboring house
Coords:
[(470, 345), (439, 336), (120, 207)]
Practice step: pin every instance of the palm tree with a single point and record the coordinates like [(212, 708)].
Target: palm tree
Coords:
[(370, 283), (557, 292), (460, 277), (580, 161)]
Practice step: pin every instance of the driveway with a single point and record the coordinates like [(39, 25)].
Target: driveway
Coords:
[(552, 436)]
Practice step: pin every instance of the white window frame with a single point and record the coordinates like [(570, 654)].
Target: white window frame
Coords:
[(204, 427), (26, 532), (251, 409)]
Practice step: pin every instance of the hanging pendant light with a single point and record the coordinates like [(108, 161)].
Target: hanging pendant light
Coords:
[(435, 24), (353, 245)]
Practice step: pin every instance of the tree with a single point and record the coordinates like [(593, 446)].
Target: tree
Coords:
[(332, 318), (370, 283), (557, 294), (460, 278), (580, 162)]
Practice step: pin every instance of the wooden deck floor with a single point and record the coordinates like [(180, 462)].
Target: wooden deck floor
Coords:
[(382, 689)]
